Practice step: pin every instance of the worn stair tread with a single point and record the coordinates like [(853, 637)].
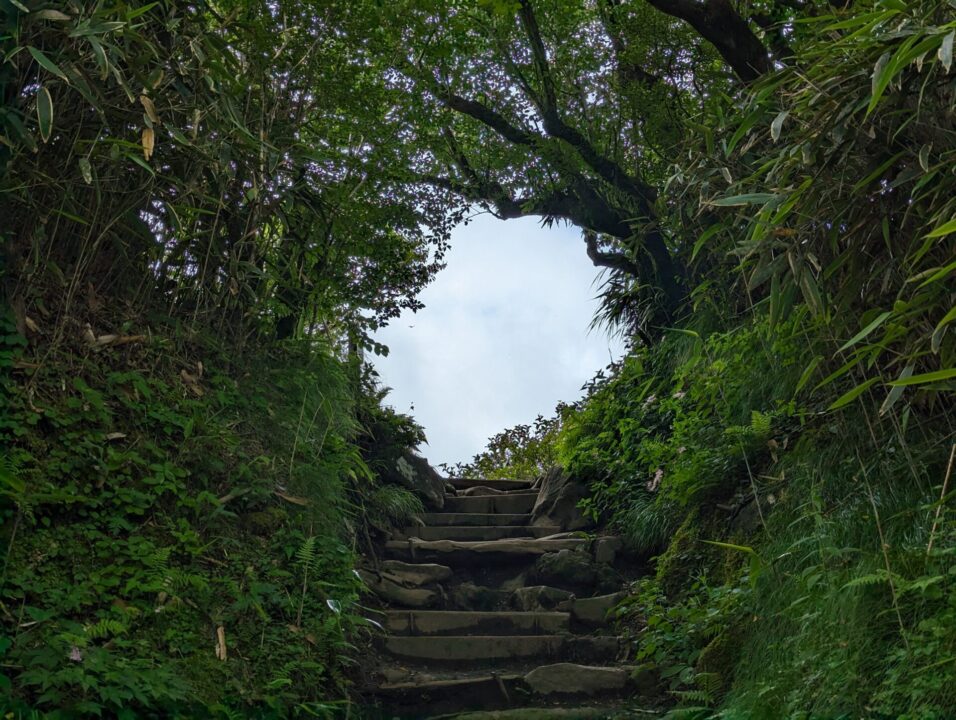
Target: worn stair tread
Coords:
[(589, 712), (502, 484), (513, 503), (456, 622), (460, 518), (475, 649), (477, 532)]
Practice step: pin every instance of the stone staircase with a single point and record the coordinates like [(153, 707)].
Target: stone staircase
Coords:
[(469, 631)]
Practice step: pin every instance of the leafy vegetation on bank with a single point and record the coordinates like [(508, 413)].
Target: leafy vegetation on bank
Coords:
[(209, 208)]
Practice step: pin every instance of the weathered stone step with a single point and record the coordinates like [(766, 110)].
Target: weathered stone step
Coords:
[(458, 518), (445, 622), (457, 552), (463, 484), (478, 532), (513, 503), (475, 650), (546, 713)]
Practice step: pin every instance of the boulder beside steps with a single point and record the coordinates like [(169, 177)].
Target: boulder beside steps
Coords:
[(466, 632)]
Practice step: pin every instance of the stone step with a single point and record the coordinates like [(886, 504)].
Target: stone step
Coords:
[(608, 712), (424, 697), (457, 518), (475, 650), (505, 504), (459, 552), (477, 532), (465, 483), (445, 622)]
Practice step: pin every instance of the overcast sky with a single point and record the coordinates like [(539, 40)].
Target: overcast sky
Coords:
[(503, 336)]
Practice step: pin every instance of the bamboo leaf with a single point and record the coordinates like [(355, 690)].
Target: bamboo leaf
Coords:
[(808, 373), (46, 63), (944, 229), (745, 199), (866, 331), (45, 113), (848, 397), (937, 338), (86, 170), (945, 52), (896, 392), (777, 125), (924, 378), (149, 142)]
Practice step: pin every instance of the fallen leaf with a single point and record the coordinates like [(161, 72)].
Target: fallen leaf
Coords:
[(292, 498), (115, 436), (150, 109), (221, 642), (31, 325), (149, 141)]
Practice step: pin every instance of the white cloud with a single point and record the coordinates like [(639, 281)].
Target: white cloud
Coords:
[(503, 336)]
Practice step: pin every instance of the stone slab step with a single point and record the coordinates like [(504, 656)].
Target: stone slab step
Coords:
[(426, 697), (478, 532), (446, 622), (504, 504), (457, 552), (464, 484), (475, 650), (611, 712), (458, 518)]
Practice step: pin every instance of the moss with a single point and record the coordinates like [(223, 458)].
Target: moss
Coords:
[(716, 663), (681, 557)]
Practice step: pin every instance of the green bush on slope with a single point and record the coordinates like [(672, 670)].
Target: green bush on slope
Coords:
[(183, 541)]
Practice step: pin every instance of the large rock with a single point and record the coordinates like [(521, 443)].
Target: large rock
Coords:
[(593, 610), (574, 571), (557, 503), (391, 592), (414, 574), (538, 598), (469, 596), (572, 679), (414, 472)]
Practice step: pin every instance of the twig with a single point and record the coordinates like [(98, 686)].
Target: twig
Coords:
[(942, 496)]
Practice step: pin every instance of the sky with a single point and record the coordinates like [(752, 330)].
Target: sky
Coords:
[(504, 335)]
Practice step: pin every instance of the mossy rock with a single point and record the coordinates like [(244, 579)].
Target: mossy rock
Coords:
[(265, 522), (717, 661)]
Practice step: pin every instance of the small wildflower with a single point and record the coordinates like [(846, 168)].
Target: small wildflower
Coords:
[(679, 394), (651, 399), (75, 654), (681, 450), (655, 482)]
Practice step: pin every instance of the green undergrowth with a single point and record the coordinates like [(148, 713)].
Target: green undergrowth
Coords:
[(181, 529), (803, 557)]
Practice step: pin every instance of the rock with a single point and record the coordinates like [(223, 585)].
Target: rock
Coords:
[(646, 679), (414, 575), (574, 571), (515, 583), (469, 596), (605, 549), (481, 490), (572, 679), (391, 592), (414, 472), (593, 610), (558, 502), (539, 597)]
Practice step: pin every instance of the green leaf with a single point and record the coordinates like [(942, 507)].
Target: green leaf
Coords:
[(924, 378), (937, 338), (86, 170), (808, 373), (777, 125), (45, 113), (897, 392), (704, 237), (866, 331), (944, 229), (47, 63), (745, 199), (852, 395), (945, 52)]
